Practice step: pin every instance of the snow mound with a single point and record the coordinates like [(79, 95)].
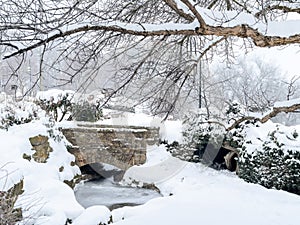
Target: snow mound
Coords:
[(94, 215), (46, 198)]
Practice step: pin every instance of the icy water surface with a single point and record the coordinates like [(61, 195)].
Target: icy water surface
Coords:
[(105, 192)]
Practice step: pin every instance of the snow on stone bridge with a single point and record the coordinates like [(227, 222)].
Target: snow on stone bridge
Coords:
[(120, 146)]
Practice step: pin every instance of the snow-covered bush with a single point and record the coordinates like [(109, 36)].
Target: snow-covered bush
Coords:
[(58, 107), (269, 153), (199, 133), (270, 156), (12, 113), (9, 118), (86, 111)]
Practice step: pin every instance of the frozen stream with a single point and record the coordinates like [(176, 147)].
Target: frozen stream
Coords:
[(104, 192)]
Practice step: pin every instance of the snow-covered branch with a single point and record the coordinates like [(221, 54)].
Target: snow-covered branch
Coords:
[(279, 107), (242, 31)]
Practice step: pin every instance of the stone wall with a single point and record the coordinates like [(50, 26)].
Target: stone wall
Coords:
[(121, 146)]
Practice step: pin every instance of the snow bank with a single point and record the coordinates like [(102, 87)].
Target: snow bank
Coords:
[(94, 215), (200, 195), (171, 130), (193, 193), (46, 198), (160, 166)]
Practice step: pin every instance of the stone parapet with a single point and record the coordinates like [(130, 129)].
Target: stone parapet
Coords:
[(121, 146)]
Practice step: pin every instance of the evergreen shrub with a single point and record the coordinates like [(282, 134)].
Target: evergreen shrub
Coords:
[(86, 112), (273, 162)]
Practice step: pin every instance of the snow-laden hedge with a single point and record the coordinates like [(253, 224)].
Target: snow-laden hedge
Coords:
[(62, 105), (204, 139), (270, 156), (16, 113), (269, 153)]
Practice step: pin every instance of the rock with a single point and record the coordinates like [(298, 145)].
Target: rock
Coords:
[(151, 186), (25, 156), (76, 180), (41, 147), (38, 140)]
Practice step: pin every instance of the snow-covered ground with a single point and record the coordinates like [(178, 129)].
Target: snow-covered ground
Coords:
[(192, 193), (47, 199), (195, 194)]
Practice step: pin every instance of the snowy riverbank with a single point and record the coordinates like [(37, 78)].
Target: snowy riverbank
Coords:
[(192, 193)]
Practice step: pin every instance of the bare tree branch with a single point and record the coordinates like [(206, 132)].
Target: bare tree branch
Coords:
[(284, 9), (195, 12), (180, 12)]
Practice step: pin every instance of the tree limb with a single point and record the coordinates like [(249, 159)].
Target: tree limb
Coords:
[(239, 121), (172, 4), (242, 31), (195, 12), (275, 111), (284, 9)]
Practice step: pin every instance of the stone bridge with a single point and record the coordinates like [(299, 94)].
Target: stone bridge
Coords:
[(120, 146)]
